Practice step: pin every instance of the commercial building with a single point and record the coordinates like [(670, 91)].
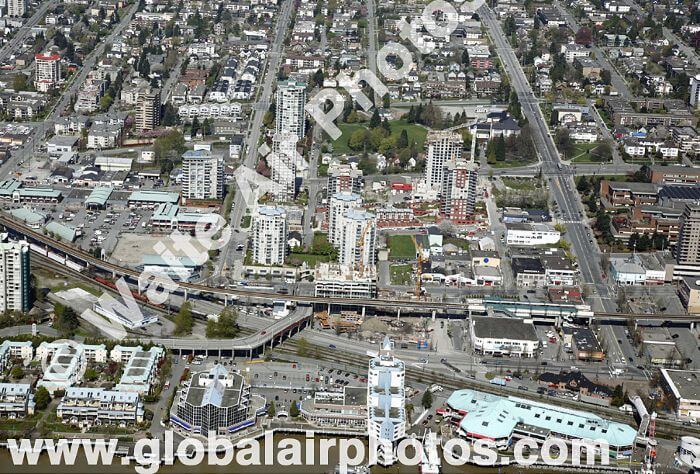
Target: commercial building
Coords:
[(217, 402), (332, 280), (289, 113), (443, 147), (357, 240), (585, 345), (16, 400), (147, 116), (47, 71), (528, 272), (344, 408), (339, 204), (202, 175), (683, 388), (96, 406), (269, 232), (344, 178), (15, 291), (386, 402), (500, 421), (504, 336), (151, 199), (531, 234), (131, 319), (283, 166), (458, 195), (576, 381)]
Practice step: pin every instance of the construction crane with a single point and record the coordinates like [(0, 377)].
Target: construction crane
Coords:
[(419, 267)]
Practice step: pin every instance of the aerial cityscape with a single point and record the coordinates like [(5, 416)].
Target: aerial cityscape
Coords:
[(350, 236)]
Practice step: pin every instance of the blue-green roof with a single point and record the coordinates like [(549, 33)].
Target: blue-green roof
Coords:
[(496, 417), (165, 211), (99, 195), (151, 259), (63, 231), (8, 187), (30, 217), (154, 196)]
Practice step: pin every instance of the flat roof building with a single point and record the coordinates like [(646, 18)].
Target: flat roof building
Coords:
[(683, 387), (504, 336)]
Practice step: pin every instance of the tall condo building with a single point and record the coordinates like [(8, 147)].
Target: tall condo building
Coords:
[(147, 110), (269, 231), (342, 177), (688, 246), (357, 240), (16, 7), (47, 71), (282, 163), (443, 147), (289, 111), (339, 203), (386, 403), (695, 91), (202, 175), (15, 291), (458, 194)]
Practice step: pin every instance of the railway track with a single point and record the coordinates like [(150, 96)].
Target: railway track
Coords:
[(664, 428)]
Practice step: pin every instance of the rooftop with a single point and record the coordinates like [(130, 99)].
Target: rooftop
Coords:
[(684, 384), (503, 328)]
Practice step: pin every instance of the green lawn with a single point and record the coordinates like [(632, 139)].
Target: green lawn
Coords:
[(511, 163), (401, 274), (583, 153), (310, 259), (417, 132), (245, 222), (518, 183), (401, 246)]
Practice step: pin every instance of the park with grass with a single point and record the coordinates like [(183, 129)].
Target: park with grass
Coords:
[(354, 136), (401, 247), (590, 153)]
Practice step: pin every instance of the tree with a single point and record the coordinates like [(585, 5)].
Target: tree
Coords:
[(184, 321), (91, 375), (375, 121), (169, 146), (65, 320), (584, 36), (17, 372), (225, 326), (564, 142), (294, 409), (271, 410), (500, 148), (427, 400), (465, 57), (42, 398), (402, 141)]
